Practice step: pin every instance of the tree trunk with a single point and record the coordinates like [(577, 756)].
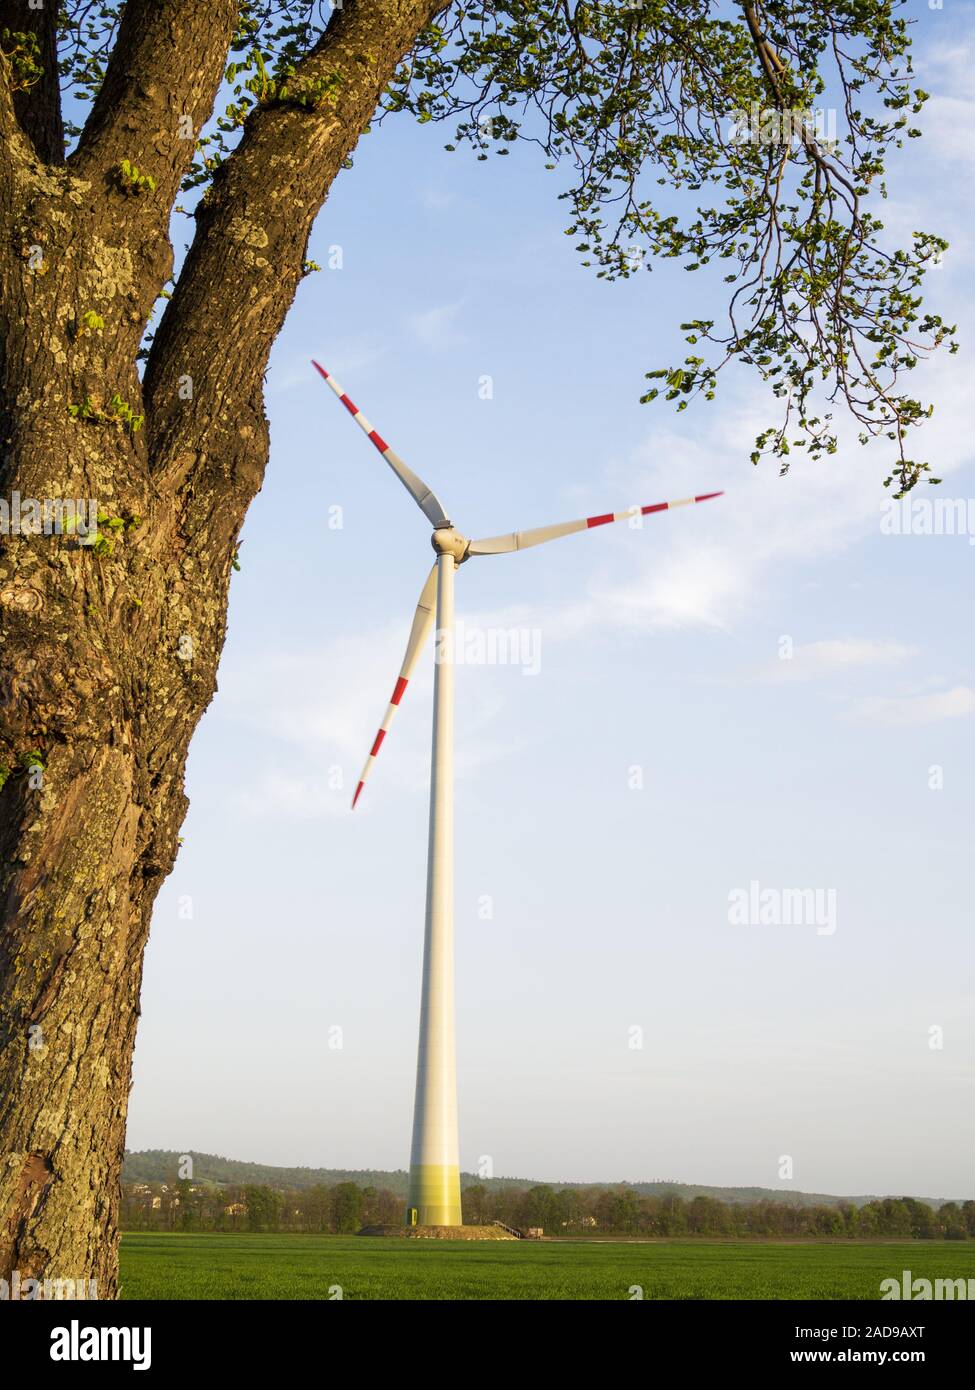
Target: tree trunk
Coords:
[(110, 651)]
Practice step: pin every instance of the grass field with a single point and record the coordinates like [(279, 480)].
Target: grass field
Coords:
[(295, 1267)]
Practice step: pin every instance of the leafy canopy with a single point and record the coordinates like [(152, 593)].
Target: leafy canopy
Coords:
[(693, 131)]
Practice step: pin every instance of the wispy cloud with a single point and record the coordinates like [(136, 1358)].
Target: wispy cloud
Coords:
[(436, 199), (317, 712), (436, 328), (345, 357), (900, 710), (812, 660), (280, 794), (945, 150), (714, 566)]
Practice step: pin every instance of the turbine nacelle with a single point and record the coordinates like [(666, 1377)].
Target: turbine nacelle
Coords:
[(447, 540)]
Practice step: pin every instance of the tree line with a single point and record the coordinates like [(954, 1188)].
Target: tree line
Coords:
[(345, 1207)]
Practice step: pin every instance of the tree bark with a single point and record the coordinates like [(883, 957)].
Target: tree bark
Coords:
[(109, 655)]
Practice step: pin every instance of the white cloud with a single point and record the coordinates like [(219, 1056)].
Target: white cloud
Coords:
[(945, 152), (436, 199), (685, 590), (813, 659), (711, 565), (947, 125), (348, 356), (898, 711), (948, 66), (323, 707), (435, 328), (282, 795)]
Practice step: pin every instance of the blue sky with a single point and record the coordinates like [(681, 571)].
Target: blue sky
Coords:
[(660, 662)]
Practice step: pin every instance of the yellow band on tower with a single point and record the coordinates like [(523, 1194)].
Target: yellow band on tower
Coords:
[(434, 1191)]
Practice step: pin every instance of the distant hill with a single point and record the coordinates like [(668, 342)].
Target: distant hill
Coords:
[(160, 1165)]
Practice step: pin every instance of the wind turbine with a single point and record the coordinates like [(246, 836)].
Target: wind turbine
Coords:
[(434, 1187)]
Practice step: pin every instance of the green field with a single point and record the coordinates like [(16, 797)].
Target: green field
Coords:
[(292, 1267)]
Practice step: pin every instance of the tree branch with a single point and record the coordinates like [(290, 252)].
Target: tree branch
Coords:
[(247, 258), (774, 68), (38, 108), (15, 148), (159, 88)]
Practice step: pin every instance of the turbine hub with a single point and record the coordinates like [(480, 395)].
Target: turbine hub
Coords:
[(447, 540)]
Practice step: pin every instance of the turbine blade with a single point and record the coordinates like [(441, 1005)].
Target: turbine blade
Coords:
[(521, 540), (420, 631), (426, 500)]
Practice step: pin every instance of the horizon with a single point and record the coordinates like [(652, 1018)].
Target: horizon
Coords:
[(543, 1182)]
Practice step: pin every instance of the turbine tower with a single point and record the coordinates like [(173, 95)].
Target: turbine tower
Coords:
[(434, 1186)]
